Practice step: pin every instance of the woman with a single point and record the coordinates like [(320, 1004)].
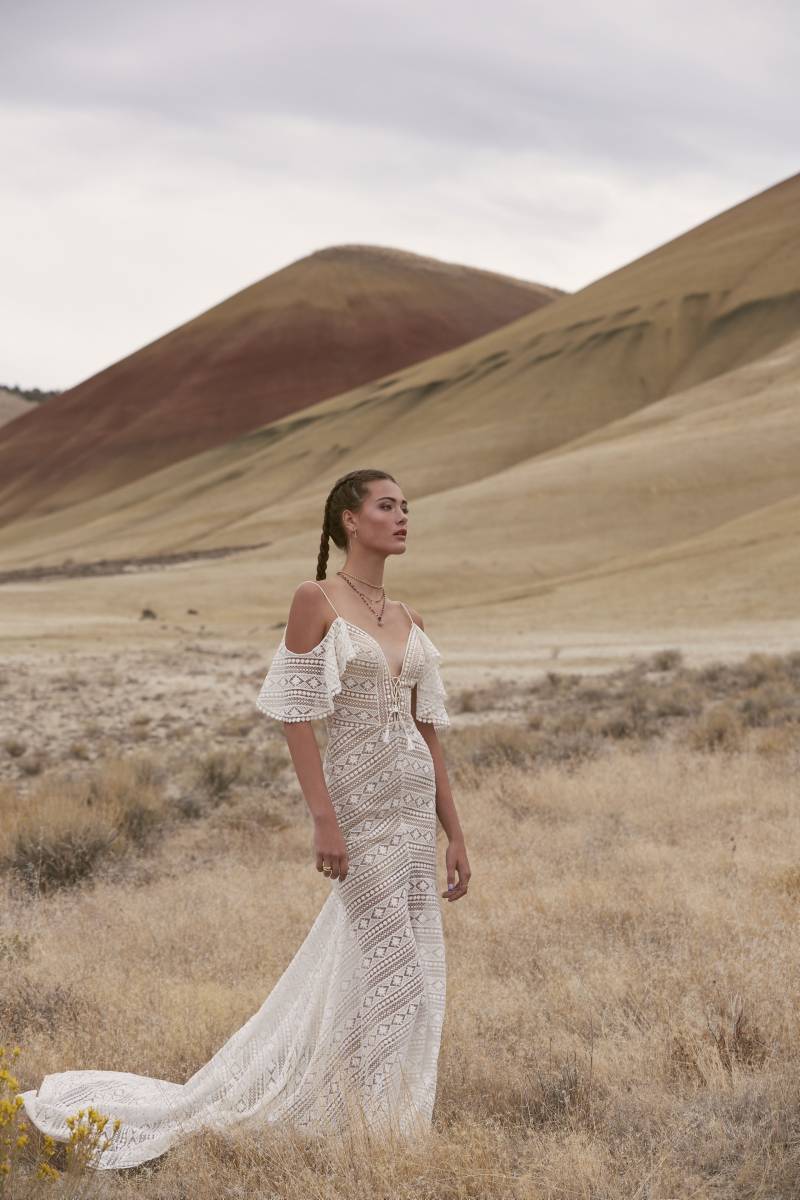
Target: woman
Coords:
[(352, 1028)]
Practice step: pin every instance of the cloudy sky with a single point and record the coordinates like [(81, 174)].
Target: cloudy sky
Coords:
[(159, 156)]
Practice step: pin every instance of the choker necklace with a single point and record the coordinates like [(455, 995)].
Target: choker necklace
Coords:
[(367, 601)]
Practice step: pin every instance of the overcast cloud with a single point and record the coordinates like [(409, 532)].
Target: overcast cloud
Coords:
[(161, 156)]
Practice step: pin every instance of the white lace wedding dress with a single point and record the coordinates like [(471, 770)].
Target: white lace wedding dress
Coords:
[(353, 1026)]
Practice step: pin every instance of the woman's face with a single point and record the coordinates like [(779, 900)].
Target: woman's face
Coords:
[(382, 520)]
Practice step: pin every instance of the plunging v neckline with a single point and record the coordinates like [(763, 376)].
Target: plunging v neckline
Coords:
[(380, 647)]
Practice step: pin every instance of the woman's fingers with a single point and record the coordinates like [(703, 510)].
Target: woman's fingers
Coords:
[(456, 893), (456, 890), (337, 863)]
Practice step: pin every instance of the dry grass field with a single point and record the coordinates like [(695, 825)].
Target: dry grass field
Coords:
[(622, 992)]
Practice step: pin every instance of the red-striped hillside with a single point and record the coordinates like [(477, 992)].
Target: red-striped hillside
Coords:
[(326, 323)]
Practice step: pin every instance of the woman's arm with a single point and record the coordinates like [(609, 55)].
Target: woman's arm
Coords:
[(456, 855), (305, 628)]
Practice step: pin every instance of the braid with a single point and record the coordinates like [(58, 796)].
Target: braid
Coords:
[(348, 492), (324, 543)]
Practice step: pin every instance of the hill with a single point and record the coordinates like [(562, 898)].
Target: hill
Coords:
[(337, 318)]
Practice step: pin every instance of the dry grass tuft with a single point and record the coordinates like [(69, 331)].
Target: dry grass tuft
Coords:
[(217, 772), (60, 833), (718, 729)]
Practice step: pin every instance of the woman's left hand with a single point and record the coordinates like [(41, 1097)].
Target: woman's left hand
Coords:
[(456, 861)]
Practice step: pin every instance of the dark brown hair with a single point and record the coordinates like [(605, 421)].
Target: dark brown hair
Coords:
[(348, 492)]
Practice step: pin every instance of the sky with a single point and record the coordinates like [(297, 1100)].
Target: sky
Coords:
[(161, 156)]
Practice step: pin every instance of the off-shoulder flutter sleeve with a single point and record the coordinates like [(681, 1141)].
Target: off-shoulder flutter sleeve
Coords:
[(431, 693), (301, 686)]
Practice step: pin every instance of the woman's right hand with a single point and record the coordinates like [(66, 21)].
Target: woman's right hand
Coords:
[(330, 846)]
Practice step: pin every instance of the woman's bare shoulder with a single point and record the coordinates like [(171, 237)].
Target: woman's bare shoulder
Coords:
[(310, 617)]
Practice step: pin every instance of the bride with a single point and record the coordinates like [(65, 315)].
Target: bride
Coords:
[(352, 1029)]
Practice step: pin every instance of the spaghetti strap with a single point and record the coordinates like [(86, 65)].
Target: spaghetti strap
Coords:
[(408, 614), (327, 597)]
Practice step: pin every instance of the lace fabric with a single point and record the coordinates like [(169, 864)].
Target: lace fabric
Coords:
[(431, 693), (303, 686), (353, 1026)]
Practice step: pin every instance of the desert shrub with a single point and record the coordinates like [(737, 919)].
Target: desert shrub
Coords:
[(592, 691), (58, 835), (31, 766), (759, 668), (554, 683), (719, 728), (44, 861), (70, 681), (190, 806), (501, 745), (562, 739), (715, 675), (569, 720), (616, 724), (770, 704), (217, 772), (632, 717), (666, 660), (568, 748), (678, 700)]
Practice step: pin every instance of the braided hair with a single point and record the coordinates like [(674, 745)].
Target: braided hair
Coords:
[(347, 493)]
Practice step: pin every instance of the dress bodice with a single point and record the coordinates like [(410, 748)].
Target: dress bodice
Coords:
[(346, 679)]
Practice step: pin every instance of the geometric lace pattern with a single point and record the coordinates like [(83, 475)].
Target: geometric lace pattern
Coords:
[(353, 1025)]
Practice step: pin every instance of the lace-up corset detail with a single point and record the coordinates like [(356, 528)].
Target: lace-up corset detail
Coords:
[(399, 709)]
